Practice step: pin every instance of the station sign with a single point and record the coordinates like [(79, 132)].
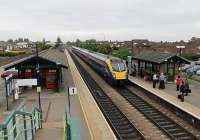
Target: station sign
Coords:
[(72, 91), (26, 82)]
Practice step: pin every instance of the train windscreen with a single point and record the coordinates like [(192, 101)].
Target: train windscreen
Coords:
[(118, 66)]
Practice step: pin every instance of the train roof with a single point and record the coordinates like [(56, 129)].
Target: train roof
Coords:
[(97, 55)]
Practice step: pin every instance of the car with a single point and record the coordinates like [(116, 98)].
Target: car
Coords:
[(198, 72), (185, 67), (193, 69)]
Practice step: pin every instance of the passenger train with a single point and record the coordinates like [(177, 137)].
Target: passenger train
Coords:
[(111, 68)]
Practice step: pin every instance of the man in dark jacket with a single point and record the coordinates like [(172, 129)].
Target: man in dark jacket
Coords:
[(182, 90)]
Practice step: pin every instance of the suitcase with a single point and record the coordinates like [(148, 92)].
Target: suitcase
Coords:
[(181, 97)]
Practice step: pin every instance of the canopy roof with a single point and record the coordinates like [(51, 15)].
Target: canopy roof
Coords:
[(158, 57), (44, 61)]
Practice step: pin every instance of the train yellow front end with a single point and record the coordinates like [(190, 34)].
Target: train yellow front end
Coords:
[(118, 69)]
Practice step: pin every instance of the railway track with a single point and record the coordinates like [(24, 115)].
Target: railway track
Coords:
[(167, 125), (122, 127), (171, 128)]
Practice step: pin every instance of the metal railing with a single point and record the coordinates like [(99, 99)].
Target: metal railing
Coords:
[(21, 125), (66, 127), (71, 127)]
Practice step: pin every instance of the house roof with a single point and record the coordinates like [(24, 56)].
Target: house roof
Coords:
[(159, 57)]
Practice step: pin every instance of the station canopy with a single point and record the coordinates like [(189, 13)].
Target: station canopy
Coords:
[(159, 58), (30, 62)]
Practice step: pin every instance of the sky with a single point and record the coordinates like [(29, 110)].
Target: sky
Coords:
[(156, 20)]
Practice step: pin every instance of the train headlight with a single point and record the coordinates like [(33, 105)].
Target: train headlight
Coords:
[(113, 74)]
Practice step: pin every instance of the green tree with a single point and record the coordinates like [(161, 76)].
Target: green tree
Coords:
[(10, 40), (122, 53), (58, 42), (26, 40), (78, 42)]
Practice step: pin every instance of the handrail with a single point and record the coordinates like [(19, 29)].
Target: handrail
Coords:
[(66, 127), (12, 126)]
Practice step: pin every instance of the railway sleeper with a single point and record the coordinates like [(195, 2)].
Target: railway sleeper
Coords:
[(131, 136), (162, 123), (124, 127), (115, 121), (180, 134), (115, 117), (126, 131), (122, 123)]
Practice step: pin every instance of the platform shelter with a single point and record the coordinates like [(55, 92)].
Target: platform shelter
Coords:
[(47, 72), (156, 62)]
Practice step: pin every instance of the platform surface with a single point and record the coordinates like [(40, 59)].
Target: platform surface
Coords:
[(53, 105), (99, 128), (191, 104)]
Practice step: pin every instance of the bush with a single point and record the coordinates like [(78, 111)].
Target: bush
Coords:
[(191, 56), (11, 54)]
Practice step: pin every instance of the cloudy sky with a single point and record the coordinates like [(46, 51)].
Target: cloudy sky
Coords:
[(100, 19)]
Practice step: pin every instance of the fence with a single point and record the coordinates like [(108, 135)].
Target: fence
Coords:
[(21, 125)]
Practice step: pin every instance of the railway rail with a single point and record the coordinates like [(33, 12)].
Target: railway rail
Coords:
[(171, 128), (122, 127), (167, 125)]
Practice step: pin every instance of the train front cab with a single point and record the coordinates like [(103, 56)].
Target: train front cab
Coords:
[(118, 71)]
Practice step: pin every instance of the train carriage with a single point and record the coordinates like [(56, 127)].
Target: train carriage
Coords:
[(111, 68)]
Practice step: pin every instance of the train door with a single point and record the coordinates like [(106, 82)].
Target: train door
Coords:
[(51, 79)]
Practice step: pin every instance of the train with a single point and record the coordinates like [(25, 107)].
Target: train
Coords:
[(112, 69)]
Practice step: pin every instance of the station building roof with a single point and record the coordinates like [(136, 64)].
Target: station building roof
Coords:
[(159, 57), (46, 59)]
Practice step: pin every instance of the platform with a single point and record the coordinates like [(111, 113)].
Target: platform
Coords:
[(190, 108), (53, 104), (97, 124)]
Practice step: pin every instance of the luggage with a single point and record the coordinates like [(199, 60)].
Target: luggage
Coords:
[(181, 97)]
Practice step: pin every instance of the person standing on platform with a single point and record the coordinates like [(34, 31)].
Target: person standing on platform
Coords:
[(178, 82), (187, 88), (182, 90), (162, 81), (155, 79)]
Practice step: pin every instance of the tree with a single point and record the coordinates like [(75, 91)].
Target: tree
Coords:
[(26, 40), (43, 41), (10, 40), (78, 42), (59, 40), (122, 53), (20, 39)]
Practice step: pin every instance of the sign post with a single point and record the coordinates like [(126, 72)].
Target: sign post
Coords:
[(71, 92)]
